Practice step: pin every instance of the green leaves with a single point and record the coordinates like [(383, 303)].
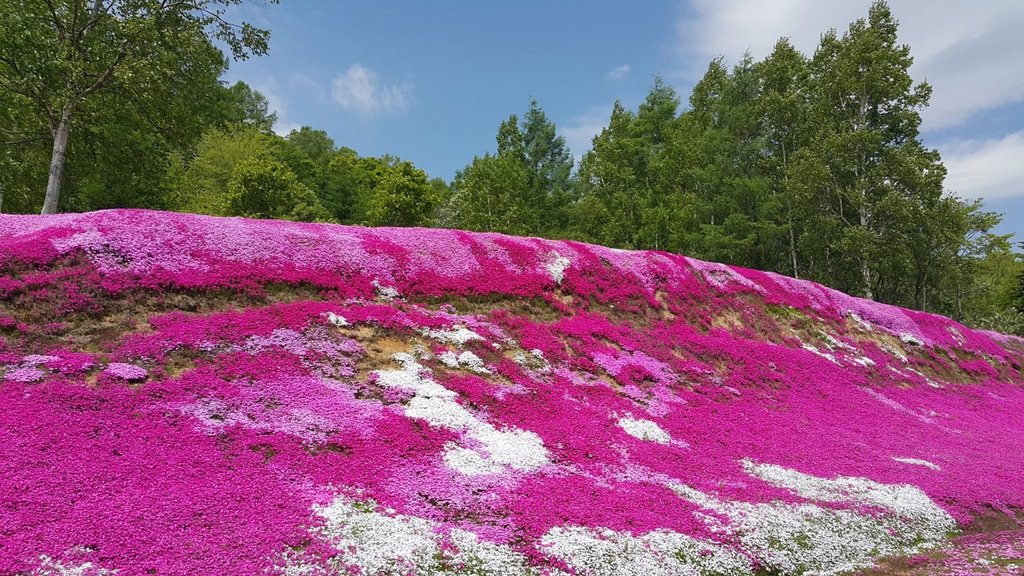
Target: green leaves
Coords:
[(139, 56), (263, 188), (525, 189)]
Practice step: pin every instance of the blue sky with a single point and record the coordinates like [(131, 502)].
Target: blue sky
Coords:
[(431, 81)]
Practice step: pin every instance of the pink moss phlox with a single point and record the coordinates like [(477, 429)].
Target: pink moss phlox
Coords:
[(127, 372), (249, 418)]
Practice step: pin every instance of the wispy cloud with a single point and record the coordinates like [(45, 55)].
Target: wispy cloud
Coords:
[(359, 90), (580, 131), (989, 169), (969, 51), (619, 72), (277, 102)]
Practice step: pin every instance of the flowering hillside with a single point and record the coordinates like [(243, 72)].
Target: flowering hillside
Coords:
[(184, 394)]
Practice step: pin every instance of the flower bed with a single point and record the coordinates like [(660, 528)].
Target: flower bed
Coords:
[(186, 394)]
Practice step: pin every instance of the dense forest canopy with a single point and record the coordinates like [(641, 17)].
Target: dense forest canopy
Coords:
[(808, 165)]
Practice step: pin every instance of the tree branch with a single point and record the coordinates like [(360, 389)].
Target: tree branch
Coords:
[(104, 78), (56, 21)]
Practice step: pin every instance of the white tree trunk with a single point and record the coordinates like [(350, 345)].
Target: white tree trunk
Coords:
[(57, 159), (865, 268)]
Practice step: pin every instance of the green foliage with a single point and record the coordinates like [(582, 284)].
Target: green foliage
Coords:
[(70, 61), (488, 195), (526, 188), (204, 186), (402, 196), (630, 177), (262, 188), (240, 104)]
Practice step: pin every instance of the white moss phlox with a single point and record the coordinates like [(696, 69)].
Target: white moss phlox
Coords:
[(911, 339), (51, 567), (337, 319), (808, 538), (492, 449), (644, 429), (466, 360), (814, 350), (557, 266), (603, 552), (373, 541), (457, 335), (386, 293), (917, 462)]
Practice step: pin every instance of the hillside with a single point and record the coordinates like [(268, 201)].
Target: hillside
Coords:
[(193, 395)]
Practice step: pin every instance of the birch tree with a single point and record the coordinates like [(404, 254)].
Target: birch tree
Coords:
[(57, 54)]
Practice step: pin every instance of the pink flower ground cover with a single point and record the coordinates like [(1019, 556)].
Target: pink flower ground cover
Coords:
[(184, 394)]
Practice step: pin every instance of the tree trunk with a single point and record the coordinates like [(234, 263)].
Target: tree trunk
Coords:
[(60, 151), (865, 268), (792, 249)]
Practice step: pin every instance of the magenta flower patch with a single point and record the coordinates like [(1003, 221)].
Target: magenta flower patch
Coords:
[(230, 396)]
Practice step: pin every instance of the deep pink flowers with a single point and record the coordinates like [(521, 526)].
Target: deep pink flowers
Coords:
[(355, 398)]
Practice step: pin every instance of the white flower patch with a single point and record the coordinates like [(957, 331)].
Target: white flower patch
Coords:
[(832, 342), (905, 500), (814, 350), (917, 462), (535, 361), (860, 322), (380, 542), (557, 266), (50, 567), (466, 360), (895, 352), (376, 543), (863, 361), (386, 293), (337, 319), (474, 556), (908, 338), (798, 538), (644, 430), (603, 552), (897, 406), (494, 449), (468, 462), (457, 335)]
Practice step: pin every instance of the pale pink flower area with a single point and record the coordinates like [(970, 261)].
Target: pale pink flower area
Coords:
[(343, 400), (24, 374), (122, 371)]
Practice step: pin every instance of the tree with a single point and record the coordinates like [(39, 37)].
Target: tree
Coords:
[(59, 54), (246, 106), (261, 188), (629, 177), (489, 195), (867, 111), (204, 185), (525, 188), (402, 197), (783, 111)]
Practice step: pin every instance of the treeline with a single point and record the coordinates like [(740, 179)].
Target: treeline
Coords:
[(811, 166)]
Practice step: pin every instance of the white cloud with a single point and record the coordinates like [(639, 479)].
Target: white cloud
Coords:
[(989, 169), (969, 51), (580, 131), (619, 72), (359, 90), (276, 102)]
